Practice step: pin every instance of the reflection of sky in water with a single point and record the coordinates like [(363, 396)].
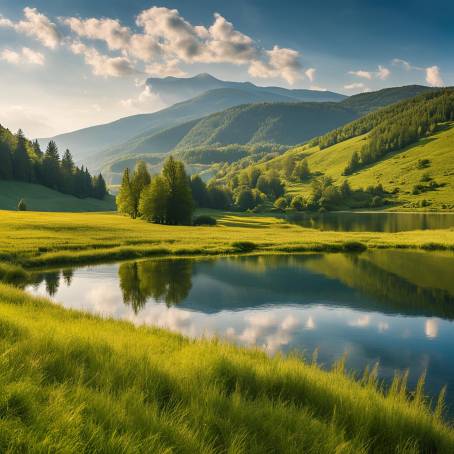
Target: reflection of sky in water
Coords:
[(331, 326)]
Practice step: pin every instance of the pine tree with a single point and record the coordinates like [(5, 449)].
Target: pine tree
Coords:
[(21, 160), (99, 187), (68, 173), (124, 199), (51, 166), (37, 149)]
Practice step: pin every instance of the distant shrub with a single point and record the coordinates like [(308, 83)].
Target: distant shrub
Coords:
[(425, 177), (21, 206), (281, 203), (423, 163), (354, 246), (424, 203), (244, 246), (204, 219)]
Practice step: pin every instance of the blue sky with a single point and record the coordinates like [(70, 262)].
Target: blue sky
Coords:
[(74, 63)]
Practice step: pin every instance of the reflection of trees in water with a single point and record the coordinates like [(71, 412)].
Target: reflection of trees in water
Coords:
[(398, 293), (163, 280), (52, 282), (67, 275), (50, 278)]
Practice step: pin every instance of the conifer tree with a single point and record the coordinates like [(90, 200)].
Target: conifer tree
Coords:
[(99, 187), (51, 166), (21, 159)]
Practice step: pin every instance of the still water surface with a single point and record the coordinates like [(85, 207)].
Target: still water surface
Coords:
[(374, 222), (392, 307)]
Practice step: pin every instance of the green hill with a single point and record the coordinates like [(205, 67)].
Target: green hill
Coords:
[(281, 123), (40, 198), (407, 148), (364, 103)]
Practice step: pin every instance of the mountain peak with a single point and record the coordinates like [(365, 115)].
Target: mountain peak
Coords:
[(205, 76)]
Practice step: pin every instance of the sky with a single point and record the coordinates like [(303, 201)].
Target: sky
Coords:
[(69, 64)]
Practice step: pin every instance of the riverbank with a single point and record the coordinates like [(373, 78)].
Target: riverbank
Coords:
[(34, 239), (73, 382)]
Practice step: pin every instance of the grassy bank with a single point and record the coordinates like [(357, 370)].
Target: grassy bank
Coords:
[(33, 239), (75, 383)]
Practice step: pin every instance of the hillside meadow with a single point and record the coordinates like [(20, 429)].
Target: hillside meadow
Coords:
[(72, 382), (398, 172), (40, 198), (35, 239)]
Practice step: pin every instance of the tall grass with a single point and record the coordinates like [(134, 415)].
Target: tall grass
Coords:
[(71, 382)]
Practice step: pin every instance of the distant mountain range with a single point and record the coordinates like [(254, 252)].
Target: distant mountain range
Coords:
[(175, 89), (195, 97), (236, 113)]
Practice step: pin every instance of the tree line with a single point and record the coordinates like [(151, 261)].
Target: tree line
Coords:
[(23, 160)]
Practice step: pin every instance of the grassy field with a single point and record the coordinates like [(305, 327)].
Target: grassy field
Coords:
[(397, 170), (40, 198), (36, 239), (71, 382)]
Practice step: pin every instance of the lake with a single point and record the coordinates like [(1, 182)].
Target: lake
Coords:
[(388, 306), (373, 222)]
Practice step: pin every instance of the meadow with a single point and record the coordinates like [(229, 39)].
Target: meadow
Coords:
[(40, 198), (34, 239), (398, 172), (71, 382)]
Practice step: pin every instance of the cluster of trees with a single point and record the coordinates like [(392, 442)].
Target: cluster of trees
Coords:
[(325, 195), (229, 153), (164, 199), (23, 160)]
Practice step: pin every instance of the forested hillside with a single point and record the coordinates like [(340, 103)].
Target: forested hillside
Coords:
[(24, 161), (402, 154)]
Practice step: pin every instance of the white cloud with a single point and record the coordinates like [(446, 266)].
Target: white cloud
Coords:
[(354, 86), (433, 76), (163, 41), (167, 39), (310, 73), (36, 25), (25, 56), (383, 73), (109, 30), (282, 62), (405, 64), (103, 65), (361, 73)]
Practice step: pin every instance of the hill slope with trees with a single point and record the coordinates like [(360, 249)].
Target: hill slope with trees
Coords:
[(23, 161), (402, 154)]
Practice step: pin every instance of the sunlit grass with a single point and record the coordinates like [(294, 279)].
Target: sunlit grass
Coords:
[(39, 239), (71, 382)]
